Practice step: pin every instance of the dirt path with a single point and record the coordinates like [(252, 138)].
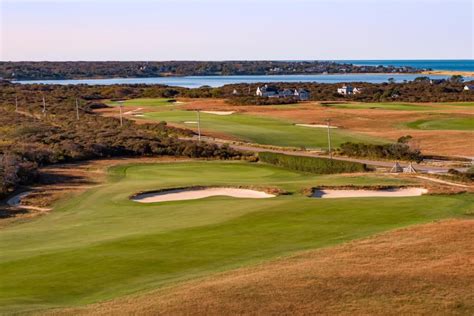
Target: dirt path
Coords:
[(444, 182), (376, 163)]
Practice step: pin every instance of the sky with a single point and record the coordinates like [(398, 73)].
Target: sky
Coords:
[(57, 30)]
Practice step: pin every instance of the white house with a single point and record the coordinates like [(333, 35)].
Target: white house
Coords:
[(349, 90), (469, 87)]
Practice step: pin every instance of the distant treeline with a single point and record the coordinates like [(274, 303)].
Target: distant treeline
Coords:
[(137, 69), (311, 164), (30, 137)]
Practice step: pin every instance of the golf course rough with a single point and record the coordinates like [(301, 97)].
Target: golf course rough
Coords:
[(100, 245)]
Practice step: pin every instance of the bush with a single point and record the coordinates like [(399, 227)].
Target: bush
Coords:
[(311, 164), (395, 151)]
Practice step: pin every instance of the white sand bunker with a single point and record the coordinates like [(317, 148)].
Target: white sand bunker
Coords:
[(190, 122), (199, 193), (316, 125), (395, 192), (219, 112)]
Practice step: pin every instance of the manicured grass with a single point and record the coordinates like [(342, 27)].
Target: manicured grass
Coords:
[(262, 130), (143, 102), (462, 124), (100, 245), (383, 106)]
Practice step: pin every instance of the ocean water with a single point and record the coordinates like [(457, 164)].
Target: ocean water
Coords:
[(445, 64), (218, 81)]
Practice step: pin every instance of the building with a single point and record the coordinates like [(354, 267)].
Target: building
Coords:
[(302, 94), (469, 87), (273, 92), (267, 91), (349, 90)]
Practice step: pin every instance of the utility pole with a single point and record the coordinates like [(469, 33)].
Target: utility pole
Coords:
[(44, 107), (121, 116), (329, 137), (77, 109), (16, 103), (199, 125)]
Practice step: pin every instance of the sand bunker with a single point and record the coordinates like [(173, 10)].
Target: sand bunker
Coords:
[(396, 192), (316, 125), (190, 122), (219, 112), (199, 193)]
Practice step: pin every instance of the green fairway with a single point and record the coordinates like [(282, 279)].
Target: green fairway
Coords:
[(101, 245), (143, 102), (262, 130), (382, 106), (462, 124)]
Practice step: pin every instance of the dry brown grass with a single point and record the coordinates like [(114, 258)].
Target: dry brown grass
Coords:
[(421, 270), (61, 180)]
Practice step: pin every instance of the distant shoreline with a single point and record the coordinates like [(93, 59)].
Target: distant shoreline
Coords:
[(449, 73)]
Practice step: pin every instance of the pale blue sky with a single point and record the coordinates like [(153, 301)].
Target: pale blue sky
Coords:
[(235, 29)]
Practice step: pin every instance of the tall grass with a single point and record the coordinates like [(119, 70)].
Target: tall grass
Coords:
[(311, 164)]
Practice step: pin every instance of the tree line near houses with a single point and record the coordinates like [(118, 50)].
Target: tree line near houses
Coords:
[(139, 69)]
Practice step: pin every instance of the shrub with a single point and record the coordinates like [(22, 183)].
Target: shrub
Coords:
[(311, 164)]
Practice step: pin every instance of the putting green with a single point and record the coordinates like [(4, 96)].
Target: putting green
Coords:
[(101, 245), (463, 124), (145, 102), (262, 130)]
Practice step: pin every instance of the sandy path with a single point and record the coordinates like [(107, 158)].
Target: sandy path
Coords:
[(219, 112), (443, 182), (193, 194), (334, 194), (315, 125)]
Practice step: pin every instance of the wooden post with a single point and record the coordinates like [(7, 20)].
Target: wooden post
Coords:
[(44, 107), (199, 125), (329, 138), (77, 109)]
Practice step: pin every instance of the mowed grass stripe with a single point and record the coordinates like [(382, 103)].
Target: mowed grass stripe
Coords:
[(262, 130), (461, 124), (145, 102), (100, 245)]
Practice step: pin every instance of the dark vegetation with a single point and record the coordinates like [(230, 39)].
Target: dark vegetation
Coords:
[(30, 138), (413, 91), (311, 164), (254, 100), (77, 70), (403, 149), (467, 176)]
